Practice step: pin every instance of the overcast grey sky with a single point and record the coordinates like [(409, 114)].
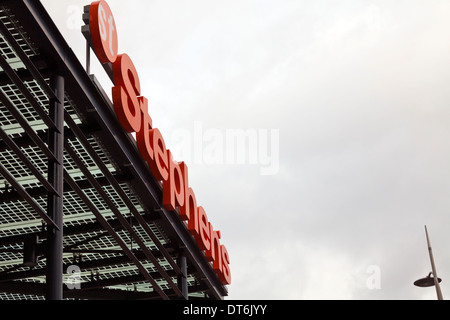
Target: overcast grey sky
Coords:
[(349, 101)]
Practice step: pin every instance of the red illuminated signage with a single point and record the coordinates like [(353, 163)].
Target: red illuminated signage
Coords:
[(131, 108)]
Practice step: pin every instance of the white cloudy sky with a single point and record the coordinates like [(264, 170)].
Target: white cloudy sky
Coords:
[(359, 93)]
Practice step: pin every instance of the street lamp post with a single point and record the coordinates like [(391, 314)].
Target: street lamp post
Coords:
[(428, 281)]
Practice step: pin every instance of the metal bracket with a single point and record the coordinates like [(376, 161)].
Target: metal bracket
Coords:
[(32, 250)]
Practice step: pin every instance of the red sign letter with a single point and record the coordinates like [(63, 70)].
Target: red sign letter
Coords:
[(103, 32), (126, 93), (173, 188)]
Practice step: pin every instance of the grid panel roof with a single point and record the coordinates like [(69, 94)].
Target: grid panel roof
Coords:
[(101, 258)]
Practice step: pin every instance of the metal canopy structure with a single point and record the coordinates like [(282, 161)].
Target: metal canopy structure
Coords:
[(61, 147)]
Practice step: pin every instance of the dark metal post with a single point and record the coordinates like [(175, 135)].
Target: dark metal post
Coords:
[(54, 274), (433, 268), (182, 279), (88, 58)]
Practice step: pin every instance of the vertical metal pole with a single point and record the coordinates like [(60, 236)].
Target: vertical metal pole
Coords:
[(88, 58), (54, 273), (433, 268), (182, 279)]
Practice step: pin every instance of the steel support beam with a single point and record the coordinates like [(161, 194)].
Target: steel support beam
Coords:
[(182, 278), (25, 140), (37, 192), (54, 274)]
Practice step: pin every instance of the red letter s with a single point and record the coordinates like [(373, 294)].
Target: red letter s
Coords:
[(126, 92)]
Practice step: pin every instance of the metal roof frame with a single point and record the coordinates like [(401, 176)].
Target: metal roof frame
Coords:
[(115, 228)]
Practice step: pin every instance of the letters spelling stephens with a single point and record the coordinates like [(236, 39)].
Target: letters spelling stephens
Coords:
[(132, 111)]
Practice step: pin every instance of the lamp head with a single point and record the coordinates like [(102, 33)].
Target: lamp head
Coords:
[(426, 282)]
